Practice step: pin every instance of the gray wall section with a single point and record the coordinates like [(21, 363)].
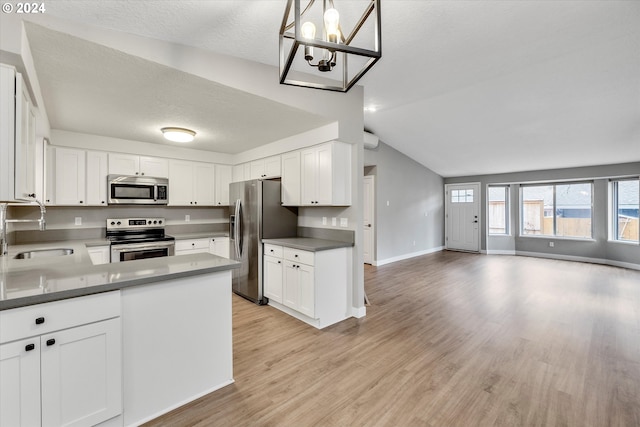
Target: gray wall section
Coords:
[(598, 248), (416, 204)]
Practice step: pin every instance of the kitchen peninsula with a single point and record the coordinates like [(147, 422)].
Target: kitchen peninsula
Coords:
[(117, 343)]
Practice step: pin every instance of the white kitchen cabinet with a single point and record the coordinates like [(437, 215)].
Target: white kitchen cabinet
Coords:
[(191, 183), (81, 374), (17, 138), (223, 179), (326, 175), (70, 182), (61, 362), (269, 167), (291, 179), (273, 279), (100, 254), (20, 383), (131, 164), (311, 286), (97, 171), (219, 246), (191, 246), (241, 172)]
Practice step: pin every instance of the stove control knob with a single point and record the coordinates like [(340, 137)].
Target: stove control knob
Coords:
[(119, 223), (113, 223), (160, 222), (155, 222)]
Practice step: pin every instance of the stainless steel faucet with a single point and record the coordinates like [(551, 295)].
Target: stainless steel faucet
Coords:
[(4, 245)]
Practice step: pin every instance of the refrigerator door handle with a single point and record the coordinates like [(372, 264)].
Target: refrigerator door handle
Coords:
[(238, 229)]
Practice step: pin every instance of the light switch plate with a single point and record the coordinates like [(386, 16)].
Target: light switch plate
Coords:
[(187, 218), (344, 222), (334, 221), (324, 220), (78, 220)]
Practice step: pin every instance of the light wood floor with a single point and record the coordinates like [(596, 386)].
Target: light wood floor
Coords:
[(451, 339)]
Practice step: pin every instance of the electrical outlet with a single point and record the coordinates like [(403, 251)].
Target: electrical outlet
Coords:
[(324, 220), (344, 222), (551, 244), (78, 220), (387, 203), (334, 221), (414, 243), (187, 218)]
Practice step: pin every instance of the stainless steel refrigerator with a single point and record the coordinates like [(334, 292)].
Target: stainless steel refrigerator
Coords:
[(256, 213)]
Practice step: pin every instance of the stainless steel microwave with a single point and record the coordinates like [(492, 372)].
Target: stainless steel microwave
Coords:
[(137, 190)]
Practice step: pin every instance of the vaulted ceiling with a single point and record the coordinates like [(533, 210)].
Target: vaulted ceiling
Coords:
[(463, 87)]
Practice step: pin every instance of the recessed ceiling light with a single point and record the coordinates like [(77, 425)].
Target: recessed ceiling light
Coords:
[(178, 134)]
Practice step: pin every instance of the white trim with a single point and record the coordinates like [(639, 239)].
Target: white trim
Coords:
[(358, 312), (407, 256), (613, 263), (499, 252)]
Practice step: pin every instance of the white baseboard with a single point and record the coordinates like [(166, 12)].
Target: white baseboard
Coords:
[(407, 256), (499, 252), (358, 312), (613, 263)]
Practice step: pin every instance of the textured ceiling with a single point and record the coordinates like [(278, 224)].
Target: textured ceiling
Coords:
[(463, 87)]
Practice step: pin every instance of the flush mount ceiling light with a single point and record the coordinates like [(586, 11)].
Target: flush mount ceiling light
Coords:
[(329, 59), (178, 134)]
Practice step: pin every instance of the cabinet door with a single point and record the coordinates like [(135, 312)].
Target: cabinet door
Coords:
[(100, 255), (50, 174), (180, 183), (204, 184), (82, 374), (124, 164), (219, 246), (291, 179), (306, 290), (257, 170), (324, 175), (290, 288), (25, 143), (96, 178), (223, 179), (70, 176), (20, 383), (308, 164), (237, 173), (154, 166), (273, 278), (272, 167)]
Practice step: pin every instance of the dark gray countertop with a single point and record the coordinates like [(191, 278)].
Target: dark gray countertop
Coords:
[(38, 280), (308, 243)]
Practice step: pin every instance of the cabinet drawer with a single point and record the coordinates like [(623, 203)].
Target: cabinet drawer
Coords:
[(297, 255), (21, 323), (184, 245), (273, 250)]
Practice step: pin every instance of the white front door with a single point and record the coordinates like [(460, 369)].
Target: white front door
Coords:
[(462, 217), (368, 190)]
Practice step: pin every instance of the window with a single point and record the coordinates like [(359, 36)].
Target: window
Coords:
[(561, 210), (462, 196), (498, 209), (625, 197)]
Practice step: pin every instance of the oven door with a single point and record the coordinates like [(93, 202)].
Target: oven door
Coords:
[(132, 251)]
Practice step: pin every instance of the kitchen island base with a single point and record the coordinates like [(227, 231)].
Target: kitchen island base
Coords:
[(177, 343)]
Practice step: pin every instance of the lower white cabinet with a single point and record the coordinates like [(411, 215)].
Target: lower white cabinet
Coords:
[(100, 254), (219, 246), (191, 246), (61, 362), (311, 286)]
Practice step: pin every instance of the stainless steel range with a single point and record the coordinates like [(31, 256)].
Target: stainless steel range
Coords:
[(138, 238)]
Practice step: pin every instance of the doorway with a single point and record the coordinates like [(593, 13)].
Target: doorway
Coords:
[(462, 217), (369, 225)]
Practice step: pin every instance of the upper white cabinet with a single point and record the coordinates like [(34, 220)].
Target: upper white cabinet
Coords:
[(291, 179), (97, 171), (191, 183), (70, 170), (268, 167), (223, 179), (241, 172), (131, 164), (17, 138), (326, 175)]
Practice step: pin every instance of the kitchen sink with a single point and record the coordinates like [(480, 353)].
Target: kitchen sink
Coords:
[(41, 253)]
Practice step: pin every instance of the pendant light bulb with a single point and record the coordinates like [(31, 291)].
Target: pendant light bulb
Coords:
[(308, 30), (331, 25)]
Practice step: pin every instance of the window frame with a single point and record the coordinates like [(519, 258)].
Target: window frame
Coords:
[(613, 211), (554, 186), (507, 209)]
